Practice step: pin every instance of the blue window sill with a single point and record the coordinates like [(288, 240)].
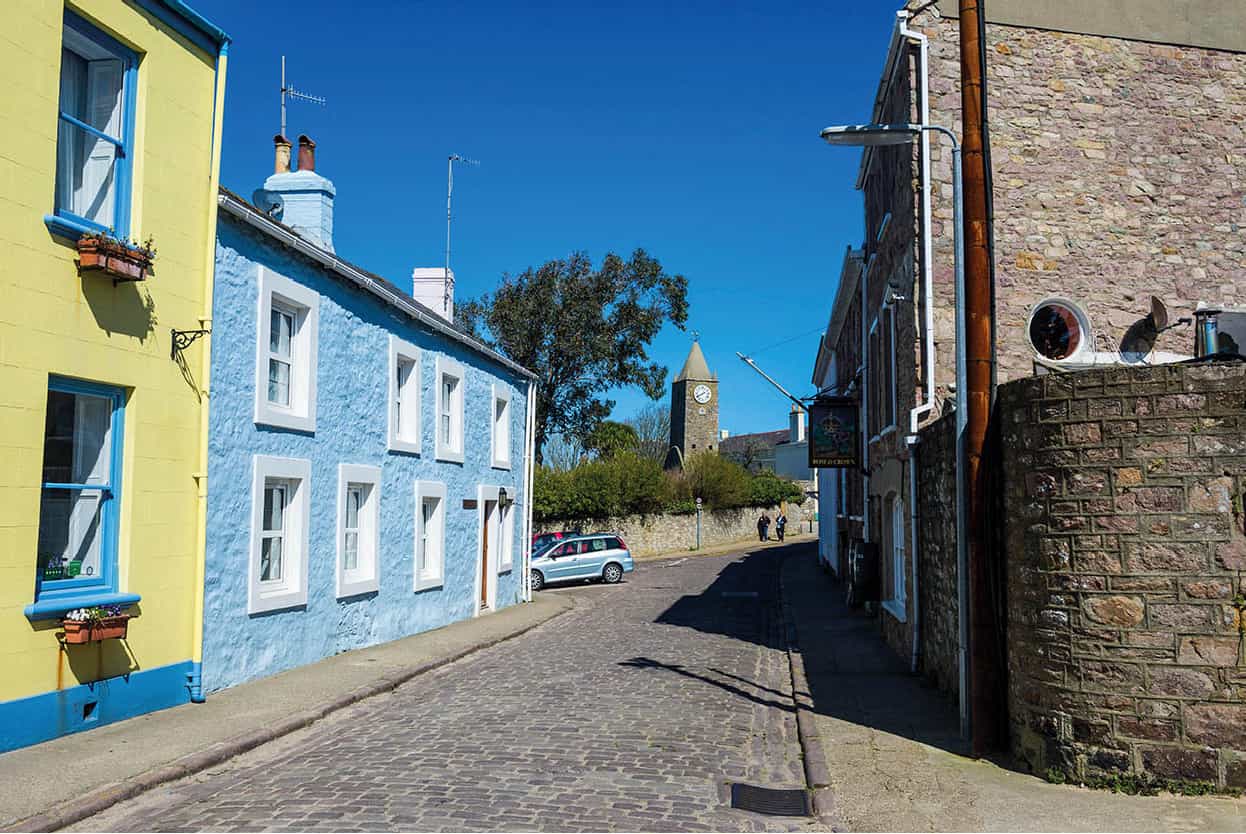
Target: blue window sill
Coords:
[(50, 609), (70, 229)]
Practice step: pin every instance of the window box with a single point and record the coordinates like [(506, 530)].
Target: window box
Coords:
[(115, 257), (92, 631)]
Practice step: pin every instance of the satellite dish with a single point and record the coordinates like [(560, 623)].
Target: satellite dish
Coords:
[(269, 202), (1159, 314)]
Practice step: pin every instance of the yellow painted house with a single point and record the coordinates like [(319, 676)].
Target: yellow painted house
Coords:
[(112, 117)]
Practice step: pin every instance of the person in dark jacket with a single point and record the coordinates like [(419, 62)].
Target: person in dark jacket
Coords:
[(763, 527)]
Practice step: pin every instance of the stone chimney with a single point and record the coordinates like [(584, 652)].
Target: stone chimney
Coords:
[(796, 425), (282, 163), (430, 287), (307, 196)]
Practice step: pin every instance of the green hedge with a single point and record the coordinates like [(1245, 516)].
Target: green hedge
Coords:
[(627, 484)]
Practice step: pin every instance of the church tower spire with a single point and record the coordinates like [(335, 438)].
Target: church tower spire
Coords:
[(694, 409)]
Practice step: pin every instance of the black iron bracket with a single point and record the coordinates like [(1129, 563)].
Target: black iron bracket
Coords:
[(183, 339)]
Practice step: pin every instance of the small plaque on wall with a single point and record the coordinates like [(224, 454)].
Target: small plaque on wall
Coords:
[(469, 503)]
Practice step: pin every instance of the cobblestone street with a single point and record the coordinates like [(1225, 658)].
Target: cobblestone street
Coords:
[(633, 712)]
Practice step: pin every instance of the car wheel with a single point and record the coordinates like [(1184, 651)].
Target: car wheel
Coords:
[(611, 573), (538, 581)]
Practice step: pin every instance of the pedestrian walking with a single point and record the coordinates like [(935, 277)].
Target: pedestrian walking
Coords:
[(763, 527), (780, 524)]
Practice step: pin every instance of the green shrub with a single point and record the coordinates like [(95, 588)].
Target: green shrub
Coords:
[(628, 484), (719, 483), (766, 488)]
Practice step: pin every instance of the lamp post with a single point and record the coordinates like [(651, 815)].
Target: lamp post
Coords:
[(876, 135)]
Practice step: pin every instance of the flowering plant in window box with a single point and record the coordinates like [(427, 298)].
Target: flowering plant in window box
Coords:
[(123, 260), (99, 622)]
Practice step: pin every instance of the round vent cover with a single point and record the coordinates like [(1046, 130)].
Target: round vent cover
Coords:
[(1059, 329)]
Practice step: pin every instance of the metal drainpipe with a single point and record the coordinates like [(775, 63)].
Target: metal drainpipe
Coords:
[(530, 479), (195, 684), (927, 405), (865, 404)]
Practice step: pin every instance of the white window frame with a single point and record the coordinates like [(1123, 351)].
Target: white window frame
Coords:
[(500, 452), (890, 349), (407, 436), (304, 343), (291, 590), (506, 535), (364, 578), (897, 604), (434, 575), (452, 451)]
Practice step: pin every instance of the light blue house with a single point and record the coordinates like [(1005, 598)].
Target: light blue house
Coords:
[(368, 464)]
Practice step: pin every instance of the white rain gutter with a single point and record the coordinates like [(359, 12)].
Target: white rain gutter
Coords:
[(529, 479), (927, 404), (403, 302), (865, 403)]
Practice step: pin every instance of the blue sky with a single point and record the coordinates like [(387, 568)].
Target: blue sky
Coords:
[(690, 130)]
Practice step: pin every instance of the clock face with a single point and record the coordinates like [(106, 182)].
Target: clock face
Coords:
[(701, 393)]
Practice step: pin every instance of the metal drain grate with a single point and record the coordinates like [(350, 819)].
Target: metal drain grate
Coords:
[(777, 802)]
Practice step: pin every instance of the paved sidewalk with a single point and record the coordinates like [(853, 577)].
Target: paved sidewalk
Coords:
[(53, 784), (893, 752), (742, 546)]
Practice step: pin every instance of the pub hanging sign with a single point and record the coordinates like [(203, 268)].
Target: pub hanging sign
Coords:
[(833, 433)]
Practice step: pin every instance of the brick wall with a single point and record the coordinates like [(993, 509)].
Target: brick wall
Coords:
[(1124, 551)]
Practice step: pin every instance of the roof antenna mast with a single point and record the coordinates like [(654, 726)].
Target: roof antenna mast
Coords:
[(287, 90), (449, 282)]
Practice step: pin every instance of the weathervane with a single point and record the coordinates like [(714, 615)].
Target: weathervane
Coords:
[(288, 90)]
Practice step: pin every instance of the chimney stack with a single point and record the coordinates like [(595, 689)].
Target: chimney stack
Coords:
[(430, 287), (307, 197), (796, 425), (307, 153), (282, 163)]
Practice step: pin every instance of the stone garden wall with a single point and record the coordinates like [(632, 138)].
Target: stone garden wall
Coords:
[(646, 535), (1125, 551)]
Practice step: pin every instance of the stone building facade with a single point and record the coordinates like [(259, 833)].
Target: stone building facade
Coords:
[(1117, 154)]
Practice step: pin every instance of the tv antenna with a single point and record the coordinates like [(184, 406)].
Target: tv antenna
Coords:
[(449, 282), (288, 90)]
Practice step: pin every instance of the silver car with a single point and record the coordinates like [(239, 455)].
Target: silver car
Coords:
[(601, 556)]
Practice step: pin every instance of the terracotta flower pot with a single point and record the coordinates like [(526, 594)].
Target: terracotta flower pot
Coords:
[(85, 631), (113, 258)]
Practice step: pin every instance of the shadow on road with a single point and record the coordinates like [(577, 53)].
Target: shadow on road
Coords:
[(853, 675), (649, 663)]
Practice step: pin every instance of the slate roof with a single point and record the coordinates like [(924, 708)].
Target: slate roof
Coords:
[(378, 286)]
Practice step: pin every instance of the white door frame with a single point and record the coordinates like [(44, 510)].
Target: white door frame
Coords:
[(484, 494)]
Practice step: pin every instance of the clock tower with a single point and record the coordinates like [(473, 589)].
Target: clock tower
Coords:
[(694, 409)]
